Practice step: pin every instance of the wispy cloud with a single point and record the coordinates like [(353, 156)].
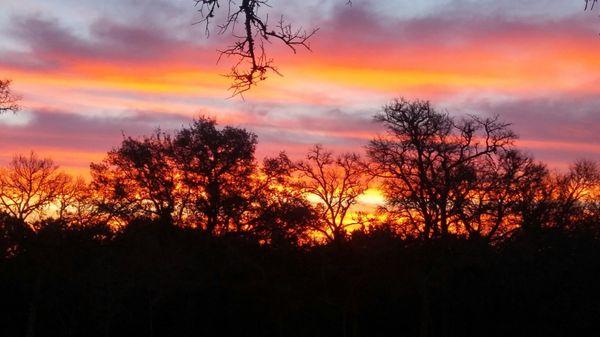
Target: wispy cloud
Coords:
[(131, 66)]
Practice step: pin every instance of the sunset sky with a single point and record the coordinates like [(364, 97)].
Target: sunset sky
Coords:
[(91, 71)]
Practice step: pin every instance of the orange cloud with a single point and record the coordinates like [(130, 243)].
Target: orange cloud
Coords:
[(360, 61)]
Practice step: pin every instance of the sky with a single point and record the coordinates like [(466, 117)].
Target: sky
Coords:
[(93, 71)]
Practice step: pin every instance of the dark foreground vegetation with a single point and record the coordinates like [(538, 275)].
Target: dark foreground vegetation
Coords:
[(148, 280), (186, 234)]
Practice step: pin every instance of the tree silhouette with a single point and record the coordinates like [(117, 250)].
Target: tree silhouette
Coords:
[(8, 101), (589, 4), (526, 238), (76, 203), (511, 193), (577, 193), (13, 232), (430, 163), (253, 64), (277, 212), (217, 167), (29, 185), (336, 182), (137, 179), (202, 177)]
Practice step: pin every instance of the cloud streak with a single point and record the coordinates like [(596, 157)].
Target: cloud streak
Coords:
[(85, 81)]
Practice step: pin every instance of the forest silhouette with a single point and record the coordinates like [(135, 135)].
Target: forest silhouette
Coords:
[(187, 233)]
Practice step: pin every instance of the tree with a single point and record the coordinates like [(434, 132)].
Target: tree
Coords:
[(510, 193), (217, 166), (8, 101), (430, 163), (589, 4), (138, 179), (278, 213), (13, 232), (251, 29), (76, 204), (577, 193), (336, 182), (29, 185), (201, 176)]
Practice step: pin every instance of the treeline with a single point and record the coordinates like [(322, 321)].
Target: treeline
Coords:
[(187, 233)]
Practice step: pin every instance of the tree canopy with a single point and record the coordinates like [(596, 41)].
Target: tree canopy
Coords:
[(187, 233)]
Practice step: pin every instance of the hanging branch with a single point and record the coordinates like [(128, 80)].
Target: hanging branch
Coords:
[(253, 64), (589, 4)]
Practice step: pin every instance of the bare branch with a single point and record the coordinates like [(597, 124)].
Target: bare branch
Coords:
[(337, 183), (251, 31), (8, 100), (29, 185), (589, 4)]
